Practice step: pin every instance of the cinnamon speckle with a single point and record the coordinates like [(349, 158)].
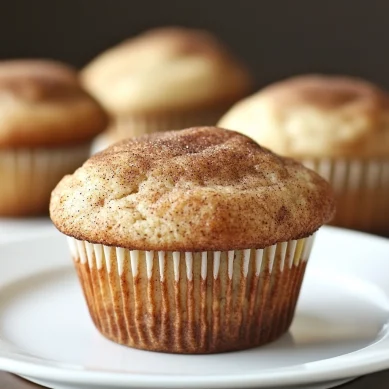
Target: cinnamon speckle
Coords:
[(198, 189)]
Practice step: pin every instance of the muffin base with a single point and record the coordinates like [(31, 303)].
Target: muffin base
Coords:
[(31, 174), (362, 191), (191, 302)]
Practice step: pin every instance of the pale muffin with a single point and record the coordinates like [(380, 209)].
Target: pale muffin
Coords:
[(165, 79), (194, 241), (337, 125)]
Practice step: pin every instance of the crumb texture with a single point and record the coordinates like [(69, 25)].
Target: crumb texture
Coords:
[(198, 189), (316, 116)]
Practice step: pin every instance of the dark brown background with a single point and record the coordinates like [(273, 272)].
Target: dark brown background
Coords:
[(276, 37)]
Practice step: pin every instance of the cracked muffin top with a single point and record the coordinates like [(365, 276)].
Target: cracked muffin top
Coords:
[(198, 189), (42, 104)]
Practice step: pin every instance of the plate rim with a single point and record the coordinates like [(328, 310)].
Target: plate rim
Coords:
[(340, 367), (127, 380)]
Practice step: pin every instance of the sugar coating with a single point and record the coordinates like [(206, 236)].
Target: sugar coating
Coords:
[(197, 189)]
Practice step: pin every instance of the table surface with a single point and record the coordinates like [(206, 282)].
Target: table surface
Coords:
[(376, 381)]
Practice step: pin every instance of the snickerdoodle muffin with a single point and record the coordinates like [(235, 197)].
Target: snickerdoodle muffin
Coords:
[(192, 241), (166, 79), (46, 127), (336, 125)]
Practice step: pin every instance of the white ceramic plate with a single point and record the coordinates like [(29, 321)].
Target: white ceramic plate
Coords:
[(21, 228), (340, 330)]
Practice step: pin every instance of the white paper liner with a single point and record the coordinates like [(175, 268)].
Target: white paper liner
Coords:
[(191, 302), (29, 176), (99, 256), (362, 190)]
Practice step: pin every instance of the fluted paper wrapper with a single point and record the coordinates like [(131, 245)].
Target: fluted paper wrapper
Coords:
[(29, 175), (362, 191), (191, 302)]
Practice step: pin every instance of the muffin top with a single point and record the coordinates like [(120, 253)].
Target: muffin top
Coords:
[(316, 116), (166, 69), (198, 189), (42, 104)]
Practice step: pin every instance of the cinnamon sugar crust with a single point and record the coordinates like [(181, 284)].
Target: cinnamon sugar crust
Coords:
[(42, 104), (198, 189)]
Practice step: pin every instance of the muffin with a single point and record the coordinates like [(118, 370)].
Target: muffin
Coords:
[(336, 125), (46, 127), (166, 79), (192, 241)]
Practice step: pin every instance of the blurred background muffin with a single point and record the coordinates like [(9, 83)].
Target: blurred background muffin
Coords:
[(200, 234), (165, 79), (47, 122), (274, 44), (336, 125)]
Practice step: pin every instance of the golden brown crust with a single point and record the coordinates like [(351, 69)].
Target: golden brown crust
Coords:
[(20, 71), (316, 116), (197, 189), (42, 104), (166, 70)]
